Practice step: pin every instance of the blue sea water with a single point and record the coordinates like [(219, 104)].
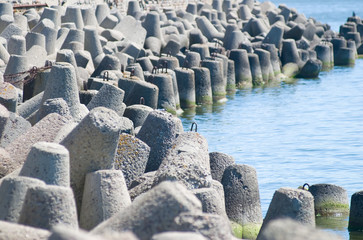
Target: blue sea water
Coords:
[(305, 131)]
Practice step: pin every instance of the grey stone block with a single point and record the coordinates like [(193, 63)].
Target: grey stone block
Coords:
[(109, 22), (159, 131), (48, 162), (16, 45), (135, 90), (162, 204), (132, 30), (109, 62), (45, 130), (211, 226), (293, 203), (105, 194), (64, 85), (13, 128), (73, 14), (284, 229), (187, 162), (102, 10), (11, 30), (34, 38), (243, 198), (54, 105), (13, 231), (131, 157), (9, 96), (211, 201), (141, 185), (17, 64), (311, 69), (137, 114), (109, 96), (47, 206), (329, 199), (99, 128), (74, 35), (166, 98), (13, 191), (178, 236), (89, 16), (36, 56), (218, 163), (208, 30)]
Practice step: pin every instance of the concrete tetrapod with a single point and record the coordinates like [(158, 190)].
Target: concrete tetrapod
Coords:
[(218, 163), (48, 162), (356, 210), (186, 87), (47, 206), (105, 194), (159, 132), (99, 128), (131, 157), (218, 82), (242, 68), (13, 231), (243, 198), (203, 86), (293, 203), (13, 191), (152, 212), (329, 200)]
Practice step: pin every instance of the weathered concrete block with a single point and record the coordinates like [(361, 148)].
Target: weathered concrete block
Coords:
[(329, 199), (135, 90), (13, 231), (293, 203), (284, 229), (131, 157), (210, 226), (158, 132), (64, 85), (218, 163), (187, 162), (48, 162), (45, 130), (173, 235), (47, 206), (99, 128), (105, 194), (153, 212), (13, 191), (54, 105), (109, 96), (356, 209), (211, 201), (12, 126), (132, 30), (243, 198)]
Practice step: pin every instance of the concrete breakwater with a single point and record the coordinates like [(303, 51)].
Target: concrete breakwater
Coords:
[(91, 110)]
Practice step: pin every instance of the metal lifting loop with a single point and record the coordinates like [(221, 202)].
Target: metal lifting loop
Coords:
[(306, 184), (154, 70), (196, 127), (142, 101), (166, 66), (105, 76)]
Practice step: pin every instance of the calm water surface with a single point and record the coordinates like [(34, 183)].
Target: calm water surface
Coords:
[(305, 131)]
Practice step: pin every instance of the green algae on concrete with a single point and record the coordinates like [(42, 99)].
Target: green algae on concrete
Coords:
[(251, 230), (331, 209), (236, 229)]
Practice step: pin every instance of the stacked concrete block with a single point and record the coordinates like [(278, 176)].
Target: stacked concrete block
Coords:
[(105, 194), (99, 128), (109, 96), (245, 210), (47, 206), (45, 130), (131, 157), (64, 85), (166, 127), (187, 162), (18, 231), (13, 191), (153, 212), (293, 203), (48, 162)]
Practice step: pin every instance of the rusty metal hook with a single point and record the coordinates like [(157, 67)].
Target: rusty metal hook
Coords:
[(306, 184), (196, 127), (105, 76), (142, 101)]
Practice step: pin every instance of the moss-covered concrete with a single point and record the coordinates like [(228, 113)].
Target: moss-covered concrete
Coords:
[(251, 230), (236, 229), (331, 209)]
